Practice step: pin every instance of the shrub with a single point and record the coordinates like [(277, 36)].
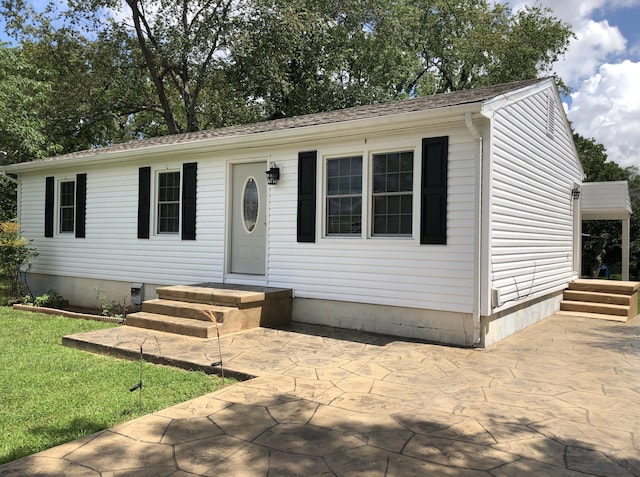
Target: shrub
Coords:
[(15, 251)]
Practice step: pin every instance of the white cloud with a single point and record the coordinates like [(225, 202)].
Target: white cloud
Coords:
[(607, 107), (605, 104), (595, 42)]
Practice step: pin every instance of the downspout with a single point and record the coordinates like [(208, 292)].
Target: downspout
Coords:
[(475, 134)]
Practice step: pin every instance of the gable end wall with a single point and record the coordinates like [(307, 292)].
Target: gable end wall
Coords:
[(534, 168)]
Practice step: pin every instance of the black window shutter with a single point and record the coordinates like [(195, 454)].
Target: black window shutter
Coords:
[(307, 196), (49, 196), (144, 201), (189, 179), (81, 205), (433, 217)]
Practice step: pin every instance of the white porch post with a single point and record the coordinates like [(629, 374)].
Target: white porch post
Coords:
[(625, 248)]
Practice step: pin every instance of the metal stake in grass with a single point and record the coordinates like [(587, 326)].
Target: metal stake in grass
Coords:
[(212, 317), (139, 385)]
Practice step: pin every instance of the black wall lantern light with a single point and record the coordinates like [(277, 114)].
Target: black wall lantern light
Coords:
[(273, 174), (575, 193)]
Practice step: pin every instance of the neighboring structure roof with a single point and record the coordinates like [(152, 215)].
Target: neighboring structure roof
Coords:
[(431, 102)]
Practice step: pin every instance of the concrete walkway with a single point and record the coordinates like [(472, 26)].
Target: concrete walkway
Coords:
[(561, 398)]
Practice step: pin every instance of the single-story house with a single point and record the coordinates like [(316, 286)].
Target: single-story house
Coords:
[(450, 217)]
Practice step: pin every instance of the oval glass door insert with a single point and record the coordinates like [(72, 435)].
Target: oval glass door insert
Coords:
[(250, 204)]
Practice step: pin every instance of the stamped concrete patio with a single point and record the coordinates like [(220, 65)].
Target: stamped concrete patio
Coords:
[(561, 398)]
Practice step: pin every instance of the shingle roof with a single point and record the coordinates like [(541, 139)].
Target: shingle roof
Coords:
[(435, 101)]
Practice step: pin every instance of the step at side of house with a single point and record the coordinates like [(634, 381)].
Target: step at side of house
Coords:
[(204, 310), (605, 299)]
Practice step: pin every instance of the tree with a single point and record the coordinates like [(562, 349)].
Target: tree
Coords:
[(634, 249), (179, 40), (593, 157), (23, 134), (7, 200), (205, 63), (462, 45), (22, 130), (344, 52)]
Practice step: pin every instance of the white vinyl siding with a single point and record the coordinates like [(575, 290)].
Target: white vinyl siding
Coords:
[(111, 249), (380, 270), (533, 172)]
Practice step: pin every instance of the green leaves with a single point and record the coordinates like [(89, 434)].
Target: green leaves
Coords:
[(103, 71), (22, 129)]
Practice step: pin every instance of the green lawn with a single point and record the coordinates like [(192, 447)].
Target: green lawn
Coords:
[(51, 394)]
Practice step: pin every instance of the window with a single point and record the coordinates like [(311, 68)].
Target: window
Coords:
[(392, 194), (67, 205), (70, 205), (168, 220), (397, 202), (171, 208), (250, 204), (344, 196)]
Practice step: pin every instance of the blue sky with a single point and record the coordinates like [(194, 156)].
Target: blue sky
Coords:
[(602, 68)]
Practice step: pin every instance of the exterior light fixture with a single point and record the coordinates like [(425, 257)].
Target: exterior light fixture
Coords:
[(575, 193), (273, 174)]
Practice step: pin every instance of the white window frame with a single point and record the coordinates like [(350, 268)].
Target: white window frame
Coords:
[(326, 197), (367, 192), (59, 207), (156, 204), (373, 194)]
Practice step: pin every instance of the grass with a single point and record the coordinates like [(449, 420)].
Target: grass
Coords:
[(53, 394)]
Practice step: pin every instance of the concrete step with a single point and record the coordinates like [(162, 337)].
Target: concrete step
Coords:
[(597, 297), (241, 296), (172, 324), (605, 286), (600, 316), (183, 309), (590, 307)]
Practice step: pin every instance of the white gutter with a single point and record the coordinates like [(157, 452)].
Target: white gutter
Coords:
[(303, 135), (475, 134)]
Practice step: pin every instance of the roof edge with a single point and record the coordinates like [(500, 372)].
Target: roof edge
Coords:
[(309, 126)]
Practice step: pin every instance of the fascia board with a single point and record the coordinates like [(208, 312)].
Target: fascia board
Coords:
[(503, 100), (606, 214), (301, 135)]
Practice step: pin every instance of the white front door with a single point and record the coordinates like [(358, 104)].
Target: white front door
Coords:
[(248, 219)]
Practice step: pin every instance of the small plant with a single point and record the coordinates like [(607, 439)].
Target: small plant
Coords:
[(41, 300), (51, 299), (110, 307)]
